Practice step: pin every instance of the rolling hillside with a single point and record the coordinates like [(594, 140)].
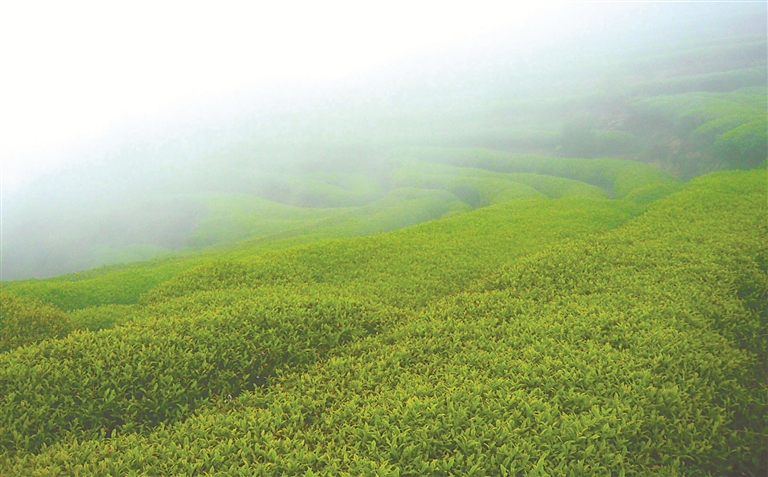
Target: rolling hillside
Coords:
[(614, 327), (541, 252), (684, 92)]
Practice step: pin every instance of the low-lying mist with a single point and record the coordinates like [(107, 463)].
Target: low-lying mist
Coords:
[(680, 86)]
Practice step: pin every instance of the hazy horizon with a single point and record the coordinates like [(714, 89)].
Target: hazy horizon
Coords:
[(120, 121), (75, 72)]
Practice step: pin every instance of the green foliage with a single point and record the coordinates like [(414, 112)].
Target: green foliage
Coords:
[(160, 368), (190, 338), (324, 190), (737, 128), (422, 191), (502, 314), (536, 328), (130, 253), (698, 132), (476, 188), (237, 217), (101, 317), (413, 266), (118, 285), (686, 103), (616, 177), (24, 321), (419, 192), (401, 207), (637, 352), (479, 187), (746, 145)]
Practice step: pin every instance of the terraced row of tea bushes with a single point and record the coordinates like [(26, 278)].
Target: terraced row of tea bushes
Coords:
[(557, 187), (400, 208), (611, 356), (465, 247), (616, 177), (114, 285), (480, 187), (24, 321), (715, 130), (423, 192), (273, 225), (408, 269), (102, 317), (420, 191), (123, 285), (725, 199), (161, 367), (98, 299), (325, 190), (411, 267), (476, 187), (234, 217)]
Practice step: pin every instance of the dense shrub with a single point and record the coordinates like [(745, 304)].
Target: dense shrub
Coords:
[(25, 321), (641, 352), (160, 368)]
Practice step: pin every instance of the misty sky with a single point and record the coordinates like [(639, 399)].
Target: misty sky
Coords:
[(121, 121), (71, 70)]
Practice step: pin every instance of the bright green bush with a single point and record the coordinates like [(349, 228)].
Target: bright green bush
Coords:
[(114, 285), (159, 369), (422, 192), (413, 266), (479, 187), (102, 317), (714, 130), (179, 331), (234, 217), (640, 352), (25, 321)]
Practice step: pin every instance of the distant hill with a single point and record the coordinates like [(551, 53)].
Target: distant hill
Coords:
[(683, 91)]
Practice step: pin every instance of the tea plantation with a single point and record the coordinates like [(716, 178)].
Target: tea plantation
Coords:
[(491, 314)]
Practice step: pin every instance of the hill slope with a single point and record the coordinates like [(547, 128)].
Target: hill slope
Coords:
[(628, 349)]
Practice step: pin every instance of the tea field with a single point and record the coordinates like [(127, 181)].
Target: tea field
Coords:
[(492, 314)]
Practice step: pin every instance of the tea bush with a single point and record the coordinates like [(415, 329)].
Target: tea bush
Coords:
[(25, 321), (638, 352), (159, 368)]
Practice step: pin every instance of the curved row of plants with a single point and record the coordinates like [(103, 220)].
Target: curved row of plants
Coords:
[(421, 191), (159, 368), (413, 266), (638, 353), (210, 330), (25, 321)]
